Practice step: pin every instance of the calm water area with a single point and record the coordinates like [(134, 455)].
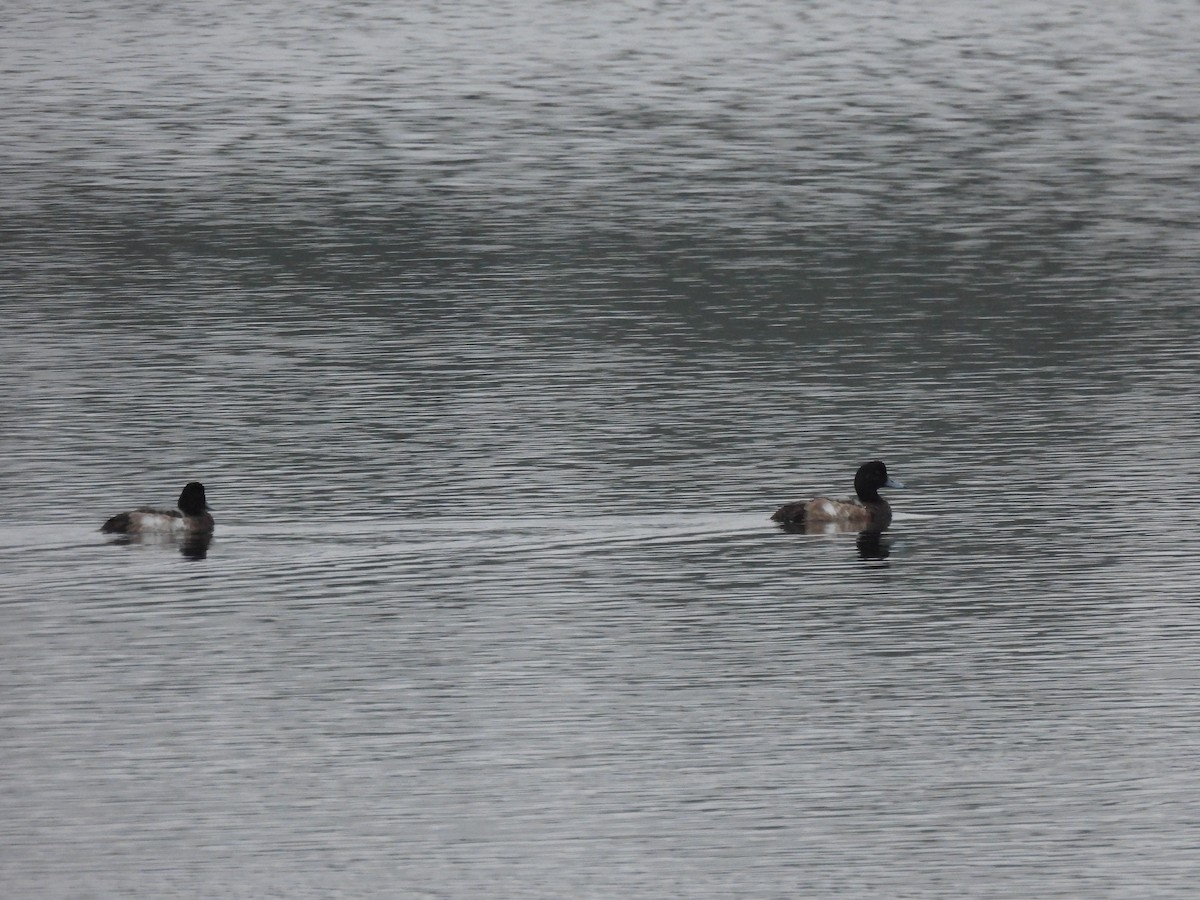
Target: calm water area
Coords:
[(496, 332)]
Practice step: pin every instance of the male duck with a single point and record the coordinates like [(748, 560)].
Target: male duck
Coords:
[(869, 512), (191, 518)]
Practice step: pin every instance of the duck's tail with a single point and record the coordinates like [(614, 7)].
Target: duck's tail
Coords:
[(118, 524), (790, 513)]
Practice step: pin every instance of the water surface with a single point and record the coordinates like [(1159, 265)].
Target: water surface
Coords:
[(496, 334)]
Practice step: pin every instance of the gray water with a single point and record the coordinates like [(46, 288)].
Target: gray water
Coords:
[(496, 332)]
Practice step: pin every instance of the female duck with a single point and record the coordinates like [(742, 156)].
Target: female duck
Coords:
[(191, 518), (869, 512)]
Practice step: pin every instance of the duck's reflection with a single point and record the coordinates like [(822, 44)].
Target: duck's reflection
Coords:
[(871, 544), (191, 546)]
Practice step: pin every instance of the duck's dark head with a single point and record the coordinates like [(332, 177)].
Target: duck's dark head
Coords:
[(870, 478), (192, 501)]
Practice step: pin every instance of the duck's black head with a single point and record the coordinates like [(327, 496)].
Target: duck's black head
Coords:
[(870, 478), (191, 500)]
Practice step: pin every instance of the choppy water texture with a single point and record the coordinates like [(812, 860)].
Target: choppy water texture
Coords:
[(496, 332)]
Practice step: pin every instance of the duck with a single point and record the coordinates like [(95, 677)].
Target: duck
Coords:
[(192, 516), (869, 512)]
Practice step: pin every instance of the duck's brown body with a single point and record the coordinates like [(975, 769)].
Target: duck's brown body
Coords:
[(822, 511), (192, 517), (869, 512)]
